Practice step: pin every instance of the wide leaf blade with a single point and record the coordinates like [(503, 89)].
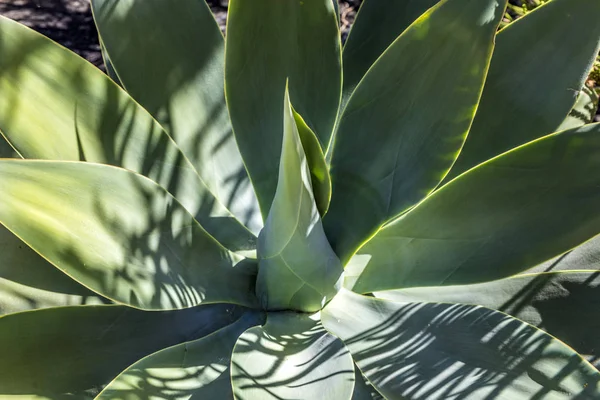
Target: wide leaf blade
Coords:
[(57, 106), (120, 235), (315, 160), (28, 281), (584, 110), (565, 304), (170, 58), (539, 65), (407, 119), (73, 351), (374, 29), (298, 269), (434, 351), (192, 370), (269, 42), (507, 215), (586, 256), (291, 357)]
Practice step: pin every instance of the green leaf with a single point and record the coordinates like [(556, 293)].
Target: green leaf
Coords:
[(363, 390), (336, 7), (374, 29), (315, 159), (170, 58), (298, 270), (110, 69), (6, 151), (565, 304), (582, 257), (75, 350), (291, 357), (120, 235), (539, 65), (57, 106), (408, 117), (435, 351), (505, 216), (198, 369), (27, 281), (269, 42), (584, 110)]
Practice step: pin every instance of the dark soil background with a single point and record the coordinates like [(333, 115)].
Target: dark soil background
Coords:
[(70, 22)]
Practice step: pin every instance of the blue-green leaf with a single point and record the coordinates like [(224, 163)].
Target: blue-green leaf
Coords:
[(498, 219), (374, 29), (298, 269), (170, 57), (539, 65), (291, 357), (433, 351), (121, 235), (57, 106), (408, 118), (565, 304), (269, 42), (71, 352), (198, 369)]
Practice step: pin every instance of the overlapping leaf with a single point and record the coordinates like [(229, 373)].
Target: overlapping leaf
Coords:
[(169, 57), (374, 29), (198, 369), (291, 357), (298, 269), (407, 119), (55, 105), (539, 65), (27, 281), (584, 110), (434, 351), (269, 42), (507, 215), (120, 235), (71, 352), (565, 304)]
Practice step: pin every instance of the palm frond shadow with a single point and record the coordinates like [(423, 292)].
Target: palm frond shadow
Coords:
[(442, 351), (425, 351)]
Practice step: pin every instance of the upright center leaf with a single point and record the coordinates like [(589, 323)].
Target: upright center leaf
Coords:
[(298, 269)]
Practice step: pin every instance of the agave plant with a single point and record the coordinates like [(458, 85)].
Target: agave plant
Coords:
[(273, 216)]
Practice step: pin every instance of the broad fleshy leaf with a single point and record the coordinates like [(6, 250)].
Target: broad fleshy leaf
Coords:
[(539, 65), (73, 351), (363, 389), (193, 370), (291, 357), (269, 42), (583, 257), (298, 269), (374, 29), (408, 118), (565, 304), (507, 215), (28, 282), (434, 351), (110, 69), (315, 160), (170, 58), (120, 234), (57, 106), (584, 110)]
